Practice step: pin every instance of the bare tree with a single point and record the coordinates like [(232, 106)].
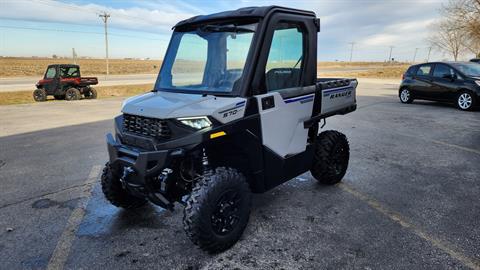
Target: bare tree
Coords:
[(448, 37), (466, 17)]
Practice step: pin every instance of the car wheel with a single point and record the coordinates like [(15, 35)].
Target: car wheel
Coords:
[(218, 210), (40, 95), (330, 161), (465, 101), (114, 192), (72, 94), (405, 96), (91, 93)]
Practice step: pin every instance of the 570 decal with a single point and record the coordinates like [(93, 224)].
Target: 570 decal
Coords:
[(230, 113)]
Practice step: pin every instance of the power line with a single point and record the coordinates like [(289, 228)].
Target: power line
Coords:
[(104, 18), (75, 31), (88, 10)]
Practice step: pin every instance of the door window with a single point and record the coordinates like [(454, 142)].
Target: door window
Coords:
[(284, 64), (442, 71), (424, 70), (51, 72)]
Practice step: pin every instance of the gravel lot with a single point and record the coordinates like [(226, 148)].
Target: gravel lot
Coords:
[(410, 199)]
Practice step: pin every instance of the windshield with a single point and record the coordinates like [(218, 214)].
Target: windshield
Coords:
[(469, 69), (209, 58)]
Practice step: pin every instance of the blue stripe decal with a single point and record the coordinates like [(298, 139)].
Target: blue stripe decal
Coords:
[(236, 107), (336, 89), (240, 103), (299, 99)]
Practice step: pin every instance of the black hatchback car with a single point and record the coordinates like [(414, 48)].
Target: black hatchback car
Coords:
[(456, 82)]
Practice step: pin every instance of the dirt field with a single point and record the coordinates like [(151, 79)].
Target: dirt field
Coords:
[(362, 69), (21, 67), (21, 97)]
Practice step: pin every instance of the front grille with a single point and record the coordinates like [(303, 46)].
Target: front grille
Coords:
[(146, 126)]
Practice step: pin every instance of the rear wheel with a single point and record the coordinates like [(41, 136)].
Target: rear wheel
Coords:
[(466, 101), (91, 93), (40, 95), (218, 210), (405, 96), (331, 156), (114, 192), (72, 94)]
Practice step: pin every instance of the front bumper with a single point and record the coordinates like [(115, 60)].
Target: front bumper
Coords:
[(143, 164)]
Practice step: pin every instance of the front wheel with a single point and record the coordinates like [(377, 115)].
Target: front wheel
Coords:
[(466, 101), (331, 156), (218, 210), (405, 96), (114, 192), (40, 95)]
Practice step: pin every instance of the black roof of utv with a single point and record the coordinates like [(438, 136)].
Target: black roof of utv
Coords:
[(242, 13)]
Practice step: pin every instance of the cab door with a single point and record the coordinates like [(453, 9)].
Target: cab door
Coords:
[(423, 86), (445, 82), (51, 80), (287, 91)]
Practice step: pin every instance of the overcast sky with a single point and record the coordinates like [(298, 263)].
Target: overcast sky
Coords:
[(142, 29)]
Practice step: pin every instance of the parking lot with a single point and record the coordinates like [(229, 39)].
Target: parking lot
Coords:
[(410, 199)]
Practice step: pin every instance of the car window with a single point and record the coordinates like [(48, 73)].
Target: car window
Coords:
[(424, 70), (51, 72), (442, 71), (411, 70), (69, 72), (284, 64)]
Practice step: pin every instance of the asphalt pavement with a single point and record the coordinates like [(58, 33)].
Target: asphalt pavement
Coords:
[(409, 199)]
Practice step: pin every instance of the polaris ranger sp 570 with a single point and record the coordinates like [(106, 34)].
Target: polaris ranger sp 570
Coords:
[(236, 109)]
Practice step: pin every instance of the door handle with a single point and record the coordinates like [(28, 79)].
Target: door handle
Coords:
[(268, 103)]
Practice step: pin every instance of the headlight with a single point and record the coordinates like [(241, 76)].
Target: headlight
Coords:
[(196, 122), (478, 83)]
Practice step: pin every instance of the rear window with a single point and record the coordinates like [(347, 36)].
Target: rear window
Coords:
[(411, 70), (424, 70)]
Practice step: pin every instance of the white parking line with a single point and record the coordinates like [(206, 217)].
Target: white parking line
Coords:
[(62, 250), (442, 245)]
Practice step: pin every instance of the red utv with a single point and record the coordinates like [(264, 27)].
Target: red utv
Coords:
[(64, 82)]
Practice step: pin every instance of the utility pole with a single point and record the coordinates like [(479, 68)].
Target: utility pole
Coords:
[(74, 56), (390, 55), (351, 50), (415, 55), (104, 18), (429, 51)]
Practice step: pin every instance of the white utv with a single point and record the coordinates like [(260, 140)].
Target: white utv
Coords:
[(236, 109)]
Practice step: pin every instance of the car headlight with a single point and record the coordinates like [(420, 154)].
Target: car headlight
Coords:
[(199, 122), (478, 83)]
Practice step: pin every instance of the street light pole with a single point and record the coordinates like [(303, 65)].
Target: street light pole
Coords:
[(104, 18)]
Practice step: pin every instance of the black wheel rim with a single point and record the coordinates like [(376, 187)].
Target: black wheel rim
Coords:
[(38, 95), (70, 94), (226, 213), (339, 160)]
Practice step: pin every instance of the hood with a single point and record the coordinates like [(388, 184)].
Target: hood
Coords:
[(161, 104)]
